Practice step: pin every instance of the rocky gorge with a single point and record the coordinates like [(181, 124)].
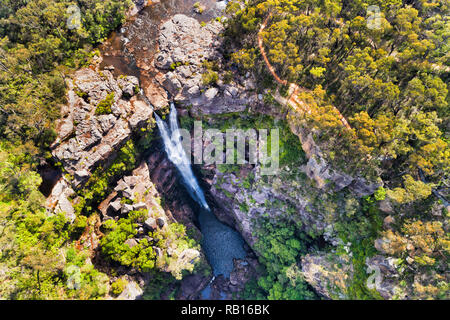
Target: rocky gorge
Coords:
[(306, 191)]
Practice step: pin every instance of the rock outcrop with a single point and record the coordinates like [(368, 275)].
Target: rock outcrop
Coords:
[(87, 137), (184, 46), (245, 197), (385, 277), (59, 200), (132, 291), (230, 288), (329, 274), (137, 192), (326, 177)]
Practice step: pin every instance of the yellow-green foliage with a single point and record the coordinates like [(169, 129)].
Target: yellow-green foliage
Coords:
[(118, 286), (104, 106), (142, 255), (198, 7), (210, 78)]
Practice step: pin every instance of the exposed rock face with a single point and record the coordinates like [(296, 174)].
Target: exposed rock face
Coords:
[(243, 203), (226, 288), (86, 139), (183, 47), (59, 200), (140, 190), (164, 176), (183, 39), (325, 176), (191, 286), (243, 271), (386, 275), (137, 192), (329, 274)]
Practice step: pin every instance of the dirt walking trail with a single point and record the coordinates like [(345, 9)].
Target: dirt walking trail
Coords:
[(293, 99)]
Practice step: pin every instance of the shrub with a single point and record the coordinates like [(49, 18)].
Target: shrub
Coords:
[(198, 7), (210, 77), (380, 194), (118, 286), (104, 106)]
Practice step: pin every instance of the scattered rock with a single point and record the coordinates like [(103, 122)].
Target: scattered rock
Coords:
[(160, 222), (211, 93), (151, 224), (131, 243), (183, 46)]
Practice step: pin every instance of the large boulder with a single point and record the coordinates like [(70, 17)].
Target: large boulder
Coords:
[(132, 291), (59, 200), (385, 277)]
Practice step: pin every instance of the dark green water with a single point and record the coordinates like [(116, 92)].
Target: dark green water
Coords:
[(221, 243)]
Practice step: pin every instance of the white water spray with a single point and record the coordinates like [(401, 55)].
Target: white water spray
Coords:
[(174, 149)]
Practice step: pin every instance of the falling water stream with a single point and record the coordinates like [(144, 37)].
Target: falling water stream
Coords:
[(176, 154), (220, 242), (129, 50)]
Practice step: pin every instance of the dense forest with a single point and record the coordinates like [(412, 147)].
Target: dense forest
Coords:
[(37, 51), (389, 82)]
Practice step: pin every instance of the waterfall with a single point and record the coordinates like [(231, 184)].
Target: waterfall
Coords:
[(174, 149)]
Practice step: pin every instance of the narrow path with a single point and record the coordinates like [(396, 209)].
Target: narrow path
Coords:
[(261, 48), (293, 99)]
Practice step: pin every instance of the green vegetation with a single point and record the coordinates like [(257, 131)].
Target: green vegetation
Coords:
[(280, 246), (177, 64), (198, 7), (37, 50), (360, 229), (118, 286), (290, 149), (37, 249), (104, 106), (390, 83), (101, 181), (142, 254), (210, 76)]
